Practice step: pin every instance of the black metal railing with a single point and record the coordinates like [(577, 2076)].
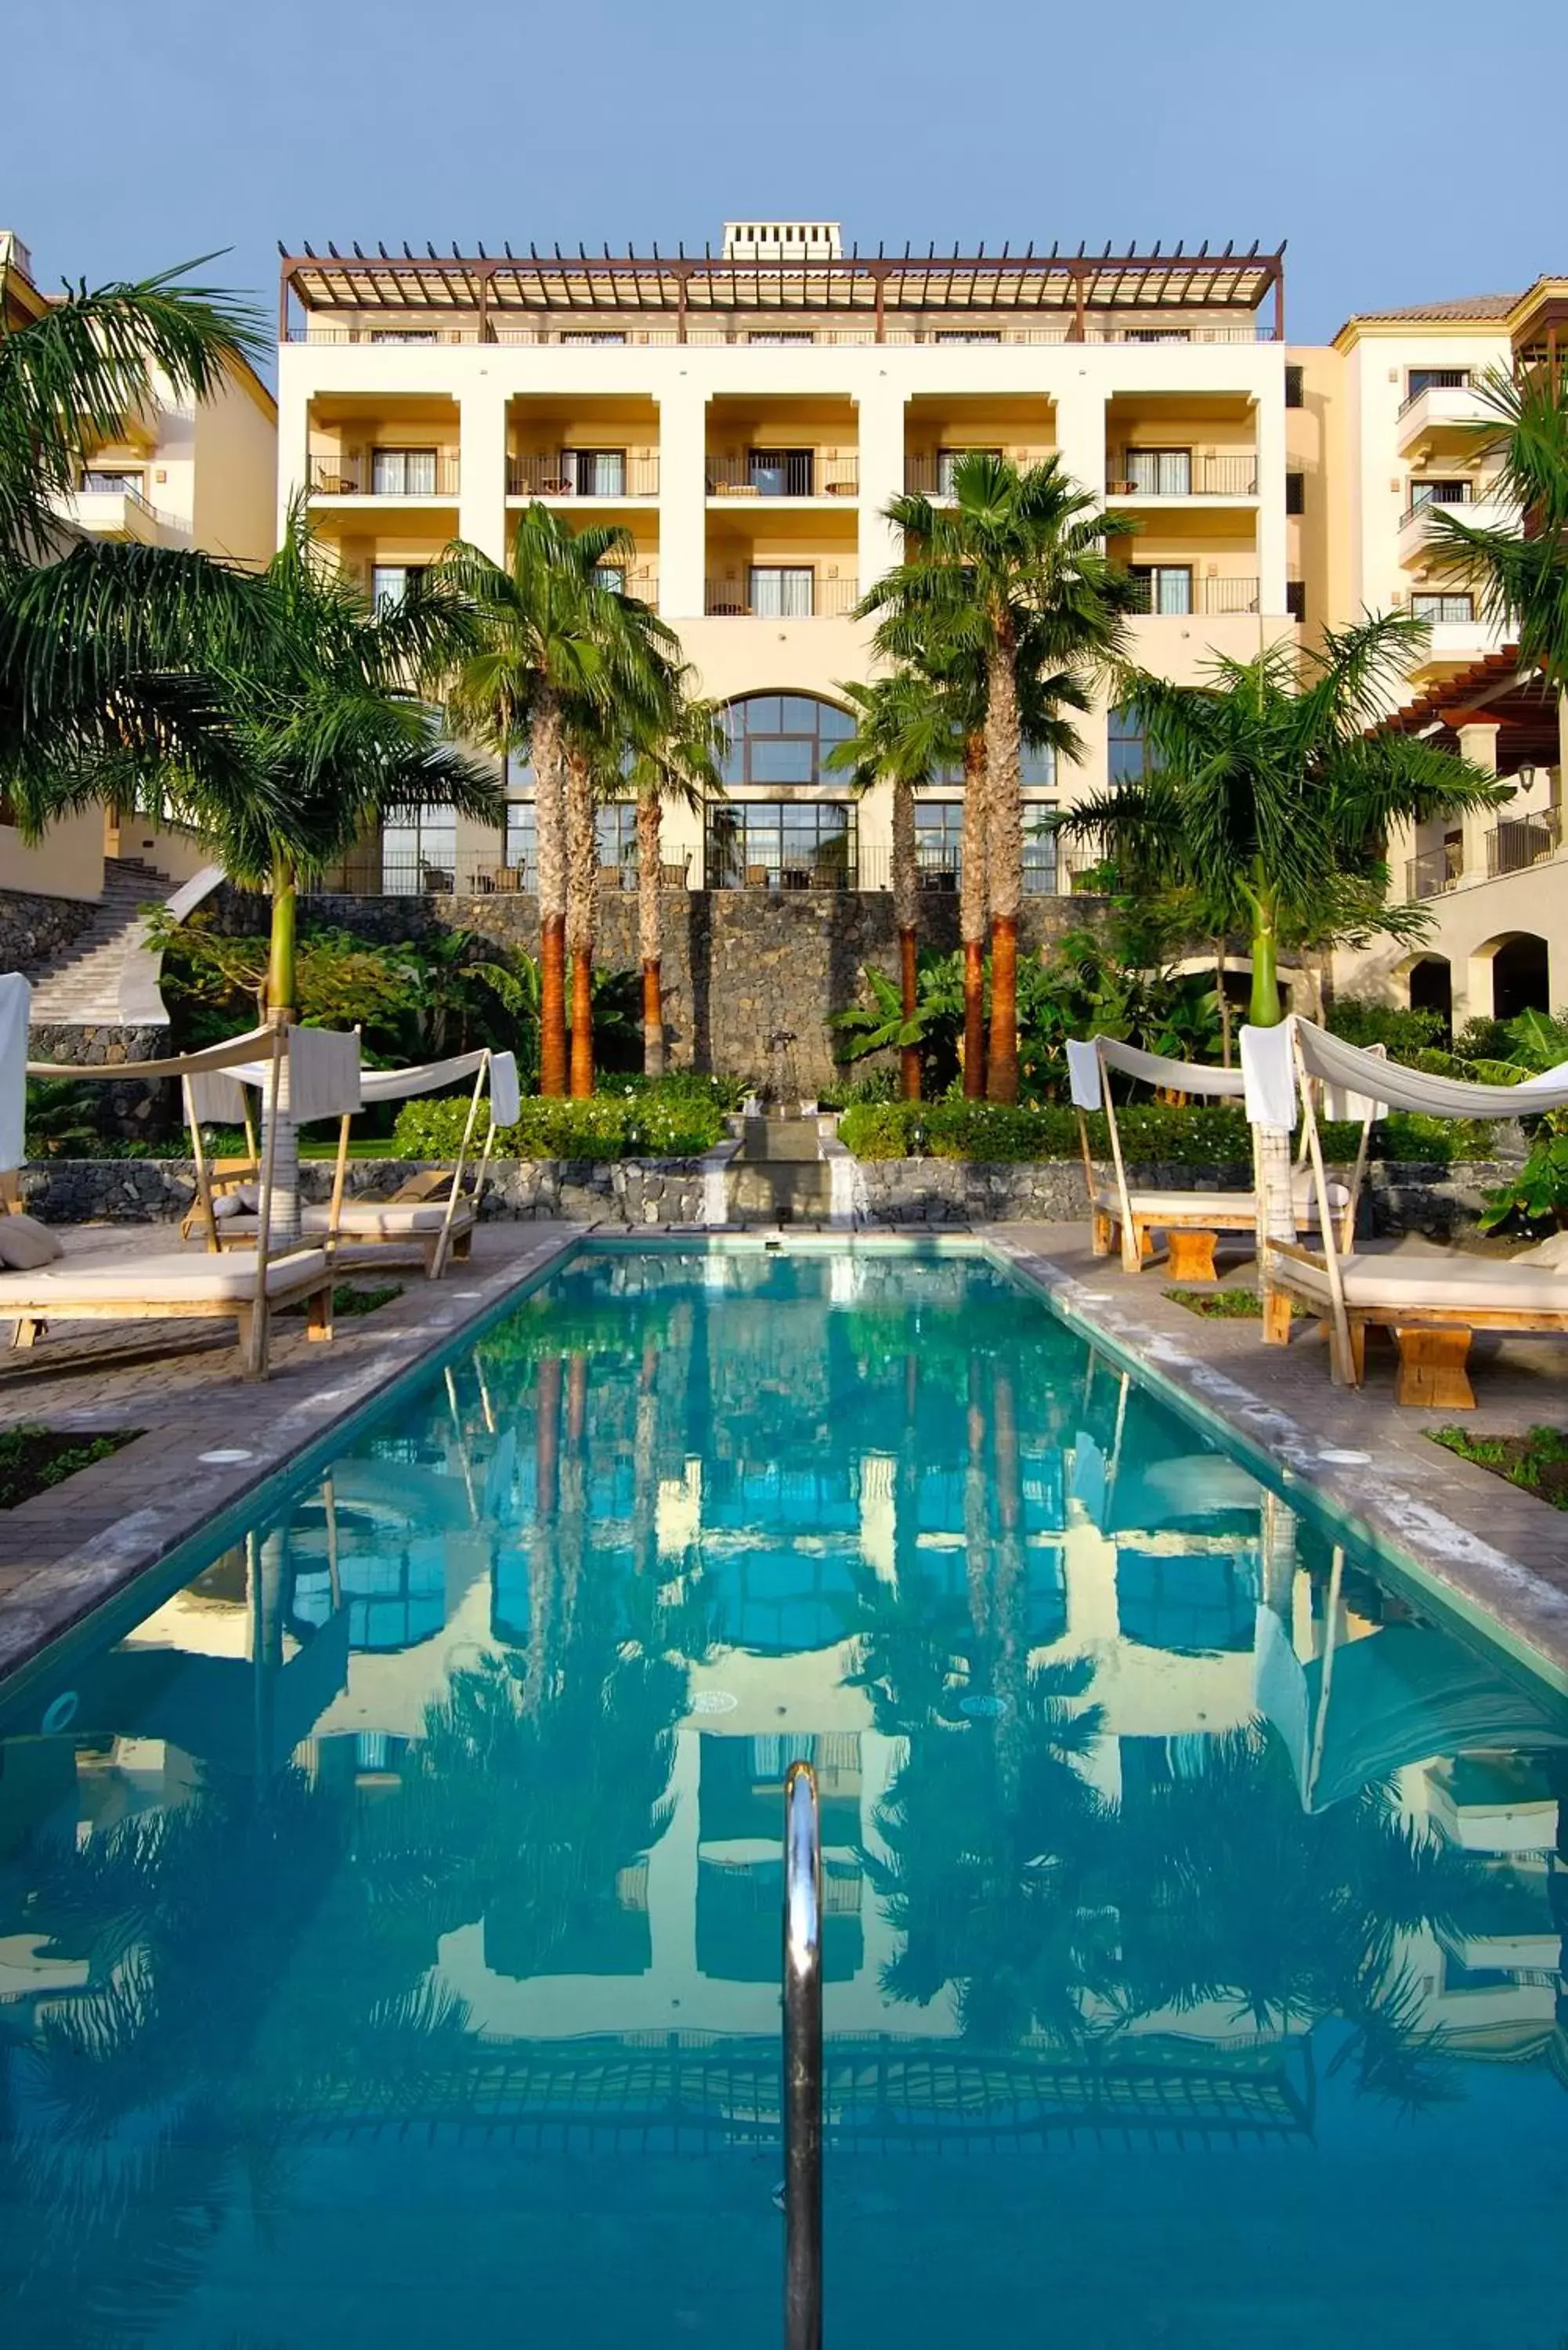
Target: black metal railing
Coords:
[(802, 2059), (1433, 872), (1206, 597), (1517, 842), (581, 473), (1200, 477), (1438, 379), (798, 595), (416, 474), (786, 473), (1431, 505)]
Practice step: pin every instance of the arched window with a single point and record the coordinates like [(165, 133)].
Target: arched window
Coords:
[(785, 826)]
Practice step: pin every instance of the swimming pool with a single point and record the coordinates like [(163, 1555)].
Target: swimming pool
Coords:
[(389, 1917)]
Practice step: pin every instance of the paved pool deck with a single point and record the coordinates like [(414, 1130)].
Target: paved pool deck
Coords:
[(1497, 1553)]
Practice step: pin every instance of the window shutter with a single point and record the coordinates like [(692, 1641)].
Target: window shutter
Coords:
[(1295, 394), (1295, 599), (1295, 493)]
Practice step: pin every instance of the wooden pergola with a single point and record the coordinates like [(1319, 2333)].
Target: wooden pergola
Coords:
[(867, 290), (1494, 691)]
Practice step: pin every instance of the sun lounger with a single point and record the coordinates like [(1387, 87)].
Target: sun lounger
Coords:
[(138, 1285), (1192, 1222)]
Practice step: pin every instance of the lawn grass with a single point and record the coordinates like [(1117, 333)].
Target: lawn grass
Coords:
[(1538, 1460), (1227, 1304), (32, 1459)]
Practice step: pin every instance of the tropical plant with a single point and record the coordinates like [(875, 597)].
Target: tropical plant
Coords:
[(1011, 589), (1520, 575), (673, 755), (905, 733)]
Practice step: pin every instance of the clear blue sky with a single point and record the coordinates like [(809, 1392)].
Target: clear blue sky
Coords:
[(1387, 142)]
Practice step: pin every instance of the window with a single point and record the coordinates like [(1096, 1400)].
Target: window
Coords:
[(614, 828), (781, 591), (1128, 745), (1442, 607), (1295, 599), (118, 483), (1167, 587), (521, 827), (1295, 386), (1160, 473), (1295, 493), (947, 461), (594, 472), (390, 582), (403, 472), (782, 845), (1422, 380), (582, 335), (781, 472), (1440, 493), (611, 576), (781, 738), (938, 834), (419, 851)]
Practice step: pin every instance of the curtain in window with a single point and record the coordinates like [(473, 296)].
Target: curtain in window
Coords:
[(403, 472), (1160, 473), (781, 593)]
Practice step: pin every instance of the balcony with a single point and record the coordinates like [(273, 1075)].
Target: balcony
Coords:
[(1175, 474), (787, 593), (607, 475), (931, 474), (1457, 642), (406, 476), (1481, 513), (113, 507), (1435, 872), (1205, 597), (1517, 842), (796, 474), (1441, 412)]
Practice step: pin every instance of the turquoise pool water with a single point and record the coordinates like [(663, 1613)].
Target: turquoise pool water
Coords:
[(389, 1921)]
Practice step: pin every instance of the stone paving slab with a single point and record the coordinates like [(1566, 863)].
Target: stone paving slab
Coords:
[(1491, 1549), (69, 1549)]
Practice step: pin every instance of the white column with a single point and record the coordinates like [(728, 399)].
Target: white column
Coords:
[(880, 423), (1269, 417), (1081, 432), (682, 499), (482, 468), (1477, 742)]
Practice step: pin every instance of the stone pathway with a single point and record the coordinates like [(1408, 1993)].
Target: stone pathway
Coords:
[(69, 1549), (1492, 1548)]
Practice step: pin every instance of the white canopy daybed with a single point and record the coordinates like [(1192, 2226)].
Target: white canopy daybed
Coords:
[(1432, 1304)]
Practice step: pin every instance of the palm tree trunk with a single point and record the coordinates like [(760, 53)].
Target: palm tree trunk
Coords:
[(1004, 843), (974, 907), (1224, 1002), (906, 913), (284, 1225), (650, 930), (550, 822), (582, 905), (1264, 1008)]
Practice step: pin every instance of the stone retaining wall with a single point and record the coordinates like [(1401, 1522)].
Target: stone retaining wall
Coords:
[(136, 1111), (909, 1192), (34, 930)]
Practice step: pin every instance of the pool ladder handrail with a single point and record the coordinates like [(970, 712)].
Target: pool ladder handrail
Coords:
[(803, 2060)]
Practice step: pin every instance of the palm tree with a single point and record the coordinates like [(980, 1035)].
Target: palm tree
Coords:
[(675, 754), (1269, 799), (550, 639), (906, 732), (1016, 578), (1522, 576), (97, 648)]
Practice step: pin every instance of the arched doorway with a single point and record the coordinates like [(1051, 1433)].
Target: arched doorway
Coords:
[(1431, 986), (1521, 976)]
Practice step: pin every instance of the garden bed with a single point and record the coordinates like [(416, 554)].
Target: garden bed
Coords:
[(1537, 1462), (33, 1459)]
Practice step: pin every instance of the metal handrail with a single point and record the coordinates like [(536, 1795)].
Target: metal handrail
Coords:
[(803, 2060)]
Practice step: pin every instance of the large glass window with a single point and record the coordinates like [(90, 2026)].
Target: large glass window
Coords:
[(1160, 473), (1434, 607), (594, 472), (1167, 587), (782, 738), (616, 828), (781, 472), (403, 472), (390, 582), (1128, 745), (782, 845), (781, 591), (419, 851)]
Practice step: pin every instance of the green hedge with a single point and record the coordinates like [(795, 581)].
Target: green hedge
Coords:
[(643, 1124), (1152, 1133)]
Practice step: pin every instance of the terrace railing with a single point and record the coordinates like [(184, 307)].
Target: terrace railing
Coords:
[(794, 473), (1433, 872), (741, 600), (1517, 842), (356, 475), (573, 474)]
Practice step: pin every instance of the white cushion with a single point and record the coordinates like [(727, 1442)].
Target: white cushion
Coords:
[(1490, 1284), (25, 1243), (175, 1279), (383, 1219), (1228, 1211), (1552, 1250)]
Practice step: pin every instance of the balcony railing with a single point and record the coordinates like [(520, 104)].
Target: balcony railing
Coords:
[(793, 599), (422, 474), (1206, 597), (791, 474), (640, 337), (1438, 379), (1435, 872), (581, 473), (940, 869), (1517, 842), (1201, 477), (1429, 506)]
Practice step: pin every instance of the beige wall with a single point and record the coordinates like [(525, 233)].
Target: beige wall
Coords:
[(68, 863)]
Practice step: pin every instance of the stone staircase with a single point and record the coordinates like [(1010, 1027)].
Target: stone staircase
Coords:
[(81, 988)]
